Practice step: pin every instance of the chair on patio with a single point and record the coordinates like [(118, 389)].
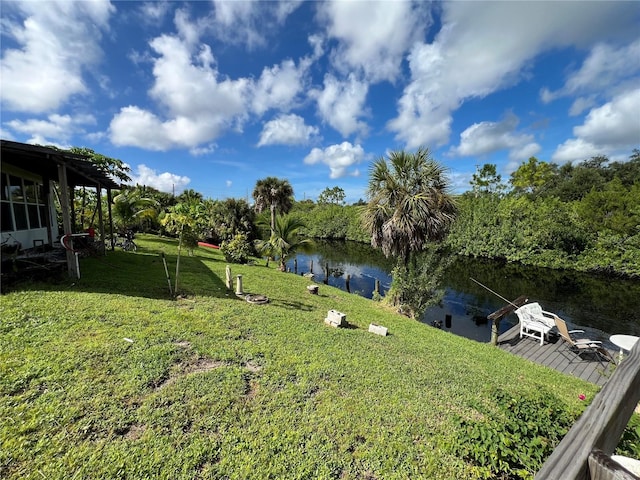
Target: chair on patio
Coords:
[(535, 322), (581, 345)]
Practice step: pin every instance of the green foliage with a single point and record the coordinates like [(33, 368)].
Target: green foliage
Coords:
[(227, 218), (238, 249), (275, 194), (285, 240), (629, 445), (514, 439), (409, 203), (565, 225), (615, 208), (333, 195), (486, 180), (334, 222), (131, 208), (415, 285), (110, 166), (531, 176)]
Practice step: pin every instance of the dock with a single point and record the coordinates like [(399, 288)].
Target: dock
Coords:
[(555, 354)]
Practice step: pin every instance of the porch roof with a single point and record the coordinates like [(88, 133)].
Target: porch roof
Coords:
[(44, 161)]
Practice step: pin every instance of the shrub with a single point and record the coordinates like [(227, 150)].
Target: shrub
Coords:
[(518, 438), (238, 249)]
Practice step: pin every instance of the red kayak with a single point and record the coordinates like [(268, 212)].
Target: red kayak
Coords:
[(203, 244)]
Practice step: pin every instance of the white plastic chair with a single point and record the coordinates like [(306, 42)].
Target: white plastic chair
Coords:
[(535, 322)]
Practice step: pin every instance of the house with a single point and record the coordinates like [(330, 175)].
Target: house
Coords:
[(31, 175)]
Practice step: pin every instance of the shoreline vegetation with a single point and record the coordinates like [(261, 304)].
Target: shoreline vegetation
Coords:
[(582, 217), (109, 377)]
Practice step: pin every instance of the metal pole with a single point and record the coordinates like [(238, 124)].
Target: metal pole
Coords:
[(496, 294)]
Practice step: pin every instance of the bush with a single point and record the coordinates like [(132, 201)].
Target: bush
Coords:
[(238, 249), (516, 440)]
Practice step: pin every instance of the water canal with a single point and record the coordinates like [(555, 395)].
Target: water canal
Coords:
[(600, 305)]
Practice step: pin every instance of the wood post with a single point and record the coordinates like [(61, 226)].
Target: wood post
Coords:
[(498, 315), (347, 283), (72, 270)]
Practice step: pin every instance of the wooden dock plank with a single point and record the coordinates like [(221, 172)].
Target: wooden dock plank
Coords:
[(557, 355)]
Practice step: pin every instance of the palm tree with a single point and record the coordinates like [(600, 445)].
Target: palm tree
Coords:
[(284, 241), (409, 203), (131, 208), (273, 193)]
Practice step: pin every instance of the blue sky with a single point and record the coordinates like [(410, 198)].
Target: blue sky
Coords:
[(215, 95)]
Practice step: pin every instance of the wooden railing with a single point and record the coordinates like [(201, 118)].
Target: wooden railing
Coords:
[(583, 454)]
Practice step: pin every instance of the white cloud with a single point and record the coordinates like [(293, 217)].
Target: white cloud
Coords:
[(373, 36), (198, 103), (576, 149), (153, 13), (581, 104), (57, 42), (605, 66), (55, 128), (339, 158), (278, 86), (139, 128), (287, 130), (616, 123), (341, 103), (483, 47), (248, 22), (610, 127), (165, 182), (205, 150), (228, 183), (488, 137)]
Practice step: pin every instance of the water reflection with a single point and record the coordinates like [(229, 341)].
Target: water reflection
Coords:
[(601, 305)]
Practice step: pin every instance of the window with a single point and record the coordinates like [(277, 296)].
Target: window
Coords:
[(7, 219), (15, 187), (25, 200)]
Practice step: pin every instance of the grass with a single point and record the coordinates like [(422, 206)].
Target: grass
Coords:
[(214, 387)]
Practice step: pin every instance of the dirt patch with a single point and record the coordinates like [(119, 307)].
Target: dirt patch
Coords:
[(190, 367), (202, 365), (135, 432), (183, 344), (252, 367), (251, 390)]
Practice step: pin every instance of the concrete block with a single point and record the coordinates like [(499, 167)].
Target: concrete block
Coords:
[(378, 329), (335, 318)]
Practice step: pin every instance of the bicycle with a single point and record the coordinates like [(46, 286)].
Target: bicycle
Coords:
[(127, 243)]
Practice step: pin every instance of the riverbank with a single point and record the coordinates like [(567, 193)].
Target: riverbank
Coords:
[(601, 305), (106, 377)]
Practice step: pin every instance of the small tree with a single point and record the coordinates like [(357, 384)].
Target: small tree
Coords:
[(334, 196), (284, 241), (486, 180), (183, 219)]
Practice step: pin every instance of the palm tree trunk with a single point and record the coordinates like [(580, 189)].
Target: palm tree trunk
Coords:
[(273, 217)]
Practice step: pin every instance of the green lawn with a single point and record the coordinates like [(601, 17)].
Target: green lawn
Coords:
[(215, 387)]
